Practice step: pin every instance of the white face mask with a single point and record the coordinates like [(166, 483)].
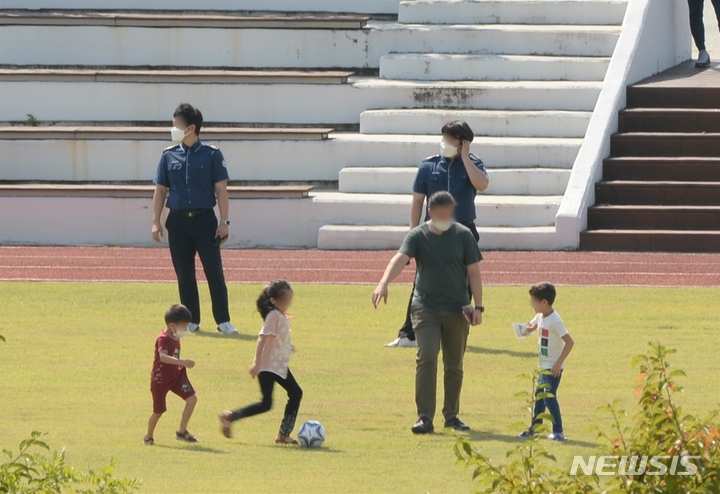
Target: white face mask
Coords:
[(182, 332), (442, 225), (448, 150), (178, 135)]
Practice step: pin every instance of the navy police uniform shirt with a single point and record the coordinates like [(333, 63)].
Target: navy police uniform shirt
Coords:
[(191, 175), (437, 173)]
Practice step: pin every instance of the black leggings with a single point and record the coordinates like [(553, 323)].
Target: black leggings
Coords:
[(267, 382), (696, 20)]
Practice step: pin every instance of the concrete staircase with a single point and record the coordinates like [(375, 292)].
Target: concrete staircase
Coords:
[(525, 74), (661, 186), (554, 80)]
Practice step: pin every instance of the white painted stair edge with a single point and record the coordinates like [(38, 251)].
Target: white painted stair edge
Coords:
[(498, 123), (358, 237), (513, 181), (647, 45), (580, 12)]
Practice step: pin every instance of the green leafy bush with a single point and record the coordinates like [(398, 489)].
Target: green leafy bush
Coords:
[(29, 472), (658, 429)]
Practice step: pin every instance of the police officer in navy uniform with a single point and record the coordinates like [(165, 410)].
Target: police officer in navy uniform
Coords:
[(193, 177), (454, 170)]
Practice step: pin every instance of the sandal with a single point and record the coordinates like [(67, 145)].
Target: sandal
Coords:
[(185, 436), (283, 439), (149, 441), (225, 424)]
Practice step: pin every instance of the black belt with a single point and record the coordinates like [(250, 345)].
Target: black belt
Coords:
[(190, 213)]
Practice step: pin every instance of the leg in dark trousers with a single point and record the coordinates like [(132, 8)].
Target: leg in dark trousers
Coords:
[(267, 382), (697, 27), (211, 260), (407, 327), (182, 252)]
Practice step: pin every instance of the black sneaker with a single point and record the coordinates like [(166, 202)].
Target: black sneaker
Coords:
[(457, 425), (423, 426)]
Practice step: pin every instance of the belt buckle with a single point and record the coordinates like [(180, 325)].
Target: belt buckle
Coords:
[(191, 214)]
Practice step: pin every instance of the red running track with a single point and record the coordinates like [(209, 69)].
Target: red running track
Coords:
[(21, 263)]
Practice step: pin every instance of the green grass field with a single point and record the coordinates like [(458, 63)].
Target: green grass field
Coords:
[(77, 360)]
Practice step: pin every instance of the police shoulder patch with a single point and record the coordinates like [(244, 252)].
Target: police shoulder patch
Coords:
[(213, 146), (431, 158), (171, 147)]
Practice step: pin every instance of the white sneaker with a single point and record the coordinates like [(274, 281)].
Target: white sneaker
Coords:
[(403, 342), (227, 328), (192, 327)]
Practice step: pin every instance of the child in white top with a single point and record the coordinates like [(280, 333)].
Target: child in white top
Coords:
[(272, 356), (554, 345)]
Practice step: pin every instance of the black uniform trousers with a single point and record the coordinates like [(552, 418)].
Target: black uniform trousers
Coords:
[(407, 328), (188, 236), (697, 27)]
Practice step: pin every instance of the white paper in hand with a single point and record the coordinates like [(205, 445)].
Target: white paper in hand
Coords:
[(520, 329)]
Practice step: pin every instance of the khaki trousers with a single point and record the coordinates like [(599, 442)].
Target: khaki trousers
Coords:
[(437, 330)]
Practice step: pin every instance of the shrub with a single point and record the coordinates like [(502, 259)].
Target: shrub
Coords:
[(659, 428), (27, 471)]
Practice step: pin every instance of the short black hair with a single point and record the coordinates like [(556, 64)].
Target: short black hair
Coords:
[(459, 130), (177, 313), (441, 198), (544, 291), (191, 115)]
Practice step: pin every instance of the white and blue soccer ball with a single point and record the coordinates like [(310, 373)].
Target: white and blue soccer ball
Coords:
[(311, 434)]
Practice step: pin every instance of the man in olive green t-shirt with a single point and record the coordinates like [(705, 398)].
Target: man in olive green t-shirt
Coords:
[(447, 256)]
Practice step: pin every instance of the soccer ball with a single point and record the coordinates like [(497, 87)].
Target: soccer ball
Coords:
[(311, 434)]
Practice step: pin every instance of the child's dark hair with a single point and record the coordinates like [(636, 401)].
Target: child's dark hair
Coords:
[(543, 291), (275, 289), (177, 313)]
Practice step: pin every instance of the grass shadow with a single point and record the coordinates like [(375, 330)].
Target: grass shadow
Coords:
[(193, 447), (509, 438), (500, 351), (322, 449), (223, 336)]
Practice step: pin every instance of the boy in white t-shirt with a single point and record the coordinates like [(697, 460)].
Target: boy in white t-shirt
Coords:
[(554, 345)]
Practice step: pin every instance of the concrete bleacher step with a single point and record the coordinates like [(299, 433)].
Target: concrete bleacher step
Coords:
[(581, 12), (384, 237), (662, 169), (651, 240), (693, 120), (317, 104), (665, 144), (321, 48), (392, 209), (625, 217), (194, 76), (312, 160), (511, 181), (657, 193), (158, 133), (544, 123), (444, 66), (181, 19), (145, 191), (354, 6)]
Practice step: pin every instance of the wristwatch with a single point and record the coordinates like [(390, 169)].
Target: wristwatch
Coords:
[(225, 222), (480, 308)]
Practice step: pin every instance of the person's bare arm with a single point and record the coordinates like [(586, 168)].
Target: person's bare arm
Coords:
[(393, 270), (258, 353), (158, 204), (416, 209), (569, 344), (479, 178), (167, 359), (224, 206), (476, 288)]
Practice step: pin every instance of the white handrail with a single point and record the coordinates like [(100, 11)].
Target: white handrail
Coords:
[(655, 36)]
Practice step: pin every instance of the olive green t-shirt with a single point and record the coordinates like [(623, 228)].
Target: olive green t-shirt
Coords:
[(442, 260)]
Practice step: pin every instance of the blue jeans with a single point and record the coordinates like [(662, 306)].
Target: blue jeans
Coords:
[(549, 404)]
